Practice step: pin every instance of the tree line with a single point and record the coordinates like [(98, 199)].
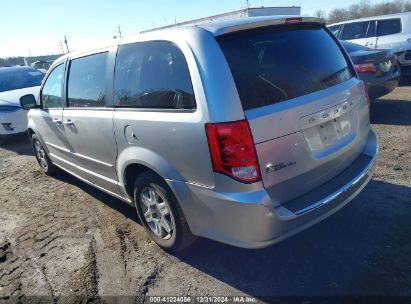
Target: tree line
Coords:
[(20, 60), (11, 61), (364, 8)]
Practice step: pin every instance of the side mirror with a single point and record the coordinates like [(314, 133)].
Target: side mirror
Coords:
[(28, 102)]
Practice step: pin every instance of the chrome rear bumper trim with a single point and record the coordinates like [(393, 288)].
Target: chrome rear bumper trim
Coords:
[(351, 186)]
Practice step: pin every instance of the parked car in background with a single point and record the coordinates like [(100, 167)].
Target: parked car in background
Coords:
[(377, 68), (42, 65), (14, 83), (382, 32), (226, 130)]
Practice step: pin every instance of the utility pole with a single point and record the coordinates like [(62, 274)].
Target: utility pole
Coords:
[(65, 41), (118, 30), (62, 48), (248, 3)]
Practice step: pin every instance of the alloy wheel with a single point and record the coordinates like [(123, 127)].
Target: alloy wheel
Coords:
[(40, 154), (157, 214)]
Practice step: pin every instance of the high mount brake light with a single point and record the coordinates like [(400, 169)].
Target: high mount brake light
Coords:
[(232, 150), (293, 20)]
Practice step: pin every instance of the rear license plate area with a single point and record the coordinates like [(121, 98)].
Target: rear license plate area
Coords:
[(326, 128), (329, 131)]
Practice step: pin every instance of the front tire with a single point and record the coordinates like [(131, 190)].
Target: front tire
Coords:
[(160, 213), (41, 156)]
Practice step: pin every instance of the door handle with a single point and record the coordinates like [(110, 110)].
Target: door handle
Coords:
[(68, 122), (57, 121)]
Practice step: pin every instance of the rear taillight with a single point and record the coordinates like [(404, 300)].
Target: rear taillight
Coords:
[(293, 20), (365, 68), (394, 59), (232, 150), (366, 93)]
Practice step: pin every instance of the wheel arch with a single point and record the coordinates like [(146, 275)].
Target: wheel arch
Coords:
[(131, 172), (134, 160), (30, 132), (31, 129)]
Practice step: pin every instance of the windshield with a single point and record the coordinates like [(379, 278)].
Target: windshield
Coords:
[(15, 78), (274, 64)]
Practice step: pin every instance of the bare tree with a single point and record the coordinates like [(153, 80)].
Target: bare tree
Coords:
[(338, 14), (320, 14), (360, 9), (11, 61), (364, 8)]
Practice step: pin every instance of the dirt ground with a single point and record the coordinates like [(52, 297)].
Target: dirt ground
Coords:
[(61, 237)]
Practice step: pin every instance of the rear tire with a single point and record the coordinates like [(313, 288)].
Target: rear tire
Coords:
[(160, 213), (41, 156)]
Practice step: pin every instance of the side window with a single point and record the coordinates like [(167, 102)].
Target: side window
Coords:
[(335, 29), (355, 30), (152, 75), (51, 92), (86, 81), (389, 27), (372, 29)]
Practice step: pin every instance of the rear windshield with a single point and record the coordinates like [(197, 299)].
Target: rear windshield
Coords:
[(353, 47), (278, 63)]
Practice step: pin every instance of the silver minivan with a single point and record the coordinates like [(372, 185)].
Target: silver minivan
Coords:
[(381, 32), (244, 131)]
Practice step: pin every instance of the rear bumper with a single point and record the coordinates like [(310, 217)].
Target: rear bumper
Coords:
[(250, 220), (378, 87), (404, 58), (405, 70)]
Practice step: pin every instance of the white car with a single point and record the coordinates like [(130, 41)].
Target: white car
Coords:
[(381, 32), (14, 83)]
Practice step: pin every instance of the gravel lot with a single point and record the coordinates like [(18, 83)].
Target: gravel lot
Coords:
[(59, 236)]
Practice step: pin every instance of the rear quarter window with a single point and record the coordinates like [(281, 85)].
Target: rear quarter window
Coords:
[(274, 64), (388, 27), (152, 75)]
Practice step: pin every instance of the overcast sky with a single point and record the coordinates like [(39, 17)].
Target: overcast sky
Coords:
[(37, 27)]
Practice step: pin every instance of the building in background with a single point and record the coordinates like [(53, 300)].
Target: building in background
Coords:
[(243, 13)]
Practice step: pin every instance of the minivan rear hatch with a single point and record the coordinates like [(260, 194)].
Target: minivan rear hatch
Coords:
[(307, 111)]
